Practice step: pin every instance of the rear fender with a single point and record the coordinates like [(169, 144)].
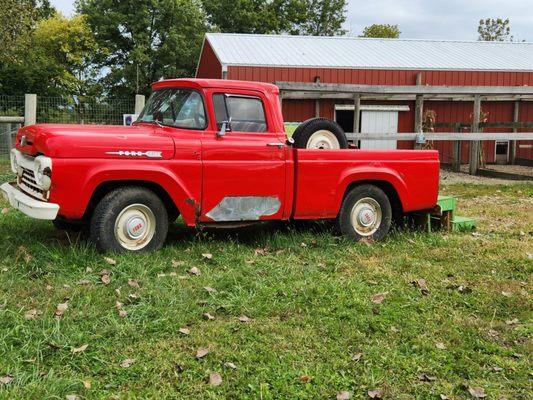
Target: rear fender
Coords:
[(390, 176)]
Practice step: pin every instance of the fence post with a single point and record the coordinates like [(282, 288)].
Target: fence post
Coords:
[(30, 109), (419, 117), (456, 162), (475, 145), (139, 103), (512, 143)]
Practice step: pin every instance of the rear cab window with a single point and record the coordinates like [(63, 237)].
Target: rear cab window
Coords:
[(247, 113)]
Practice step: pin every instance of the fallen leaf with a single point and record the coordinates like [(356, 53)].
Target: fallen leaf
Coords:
[(209, 289), (261, 252), (464, 289), (184, 331), (375, 393), (133, 283), (422, 285), (118, 305), (493, 333), (427, 378), (507, 294), (133, 297), (105, 279), (303, 244), (208, 316), (173, 274), (215, 379), (202, 352), (88, 269), (194, 271), (356, 357), (72, 397), (207, 256), (176, 264), (30, 314), (440, 346), (110, 261), (6, 378), (513, 321), (122, 313), (497, 369), (87, 384), (49, 287), (378, 298), (161, 275), (79, 349), (60, 309), (244, 318), (230, 365), (305, 378), (5, 211), (127, 362), (344, 395), (83, 282), (477, 392), (443, 397)]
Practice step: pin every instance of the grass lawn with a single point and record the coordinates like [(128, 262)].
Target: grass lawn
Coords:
[(315, 326)]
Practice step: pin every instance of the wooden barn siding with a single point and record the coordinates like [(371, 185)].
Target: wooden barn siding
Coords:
[(526, 114), (299, 110), (208, 66)]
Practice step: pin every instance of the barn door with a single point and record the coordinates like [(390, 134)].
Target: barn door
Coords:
[(379, 122)]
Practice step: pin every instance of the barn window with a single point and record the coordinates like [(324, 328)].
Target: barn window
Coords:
[(247, 113)]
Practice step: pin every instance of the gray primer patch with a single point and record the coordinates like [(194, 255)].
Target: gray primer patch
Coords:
[(245, 208)]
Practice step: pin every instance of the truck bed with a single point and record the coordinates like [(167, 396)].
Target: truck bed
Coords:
[(322, 178)]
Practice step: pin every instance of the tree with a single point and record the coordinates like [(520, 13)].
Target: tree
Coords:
[(55, 62), (494, 29), (304, 17), (381, 31), (322, 18), (17, 19), (143, 41)]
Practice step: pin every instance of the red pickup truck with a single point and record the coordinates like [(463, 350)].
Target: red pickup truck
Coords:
[(216, 153)]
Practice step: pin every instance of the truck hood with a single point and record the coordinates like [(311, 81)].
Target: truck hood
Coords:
[(94, 141)]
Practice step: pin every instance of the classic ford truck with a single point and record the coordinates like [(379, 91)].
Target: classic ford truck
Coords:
[(216, 153)]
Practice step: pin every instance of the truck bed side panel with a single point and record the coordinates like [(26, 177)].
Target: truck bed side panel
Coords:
[(322, 177)]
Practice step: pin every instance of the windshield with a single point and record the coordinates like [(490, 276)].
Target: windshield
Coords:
[(181, 108)]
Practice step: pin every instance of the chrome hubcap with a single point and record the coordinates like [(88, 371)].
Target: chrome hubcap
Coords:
[(365, 216), (323, 139), (135, 226)]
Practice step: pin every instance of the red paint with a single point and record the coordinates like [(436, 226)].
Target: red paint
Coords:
[(200, 169), (208, 65)]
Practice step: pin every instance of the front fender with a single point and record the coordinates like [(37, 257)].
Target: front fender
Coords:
[(74, 199)]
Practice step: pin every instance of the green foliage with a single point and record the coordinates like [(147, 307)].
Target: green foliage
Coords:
[(310, 308), (54, 61), (494, 29), (381, 31), (305, 17), (144, 41)]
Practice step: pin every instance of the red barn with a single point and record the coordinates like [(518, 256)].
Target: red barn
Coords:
[(387, 62)]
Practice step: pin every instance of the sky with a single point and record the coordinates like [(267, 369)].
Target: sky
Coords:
[(425, 19)]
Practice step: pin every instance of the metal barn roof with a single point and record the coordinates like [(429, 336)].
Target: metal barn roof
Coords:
[(349, 52)]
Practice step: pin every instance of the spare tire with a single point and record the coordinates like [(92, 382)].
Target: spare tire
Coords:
[(319, 133)]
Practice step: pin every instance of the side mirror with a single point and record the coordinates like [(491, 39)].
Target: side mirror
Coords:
[(226, 126)]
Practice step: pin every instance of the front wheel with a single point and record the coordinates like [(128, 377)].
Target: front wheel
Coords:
[(365, 213), (129, 219)]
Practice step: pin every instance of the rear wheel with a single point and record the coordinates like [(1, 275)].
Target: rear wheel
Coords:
[(129, 219), (366, 213), (319, 133)]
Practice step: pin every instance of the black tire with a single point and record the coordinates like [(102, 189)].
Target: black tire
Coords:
[(306, 129), (379, 200), (111, 207), (63, 224)]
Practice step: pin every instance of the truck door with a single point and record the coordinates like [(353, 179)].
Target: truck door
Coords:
[(243, 166)]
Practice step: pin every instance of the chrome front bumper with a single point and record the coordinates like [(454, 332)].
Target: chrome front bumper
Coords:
[(28, 205)]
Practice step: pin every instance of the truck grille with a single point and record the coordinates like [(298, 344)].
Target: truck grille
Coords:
[(28, 185)]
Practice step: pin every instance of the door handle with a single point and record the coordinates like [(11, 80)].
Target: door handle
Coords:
[(276, 144)]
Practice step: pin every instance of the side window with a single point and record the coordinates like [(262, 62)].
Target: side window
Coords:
[(247, 113)]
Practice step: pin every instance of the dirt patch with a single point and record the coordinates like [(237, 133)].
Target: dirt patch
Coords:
[(449, 178)]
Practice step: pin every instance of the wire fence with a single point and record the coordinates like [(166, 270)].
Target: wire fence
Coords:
[(72, 110), (12, 106), (7, 140)]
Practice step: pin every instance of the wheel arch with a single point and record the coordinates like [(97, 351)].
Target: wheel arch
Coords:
[(105, 187), (388, 188)]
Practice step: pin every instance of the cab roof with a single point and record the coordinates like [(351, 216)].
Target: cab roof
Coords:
[(215, 83)]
